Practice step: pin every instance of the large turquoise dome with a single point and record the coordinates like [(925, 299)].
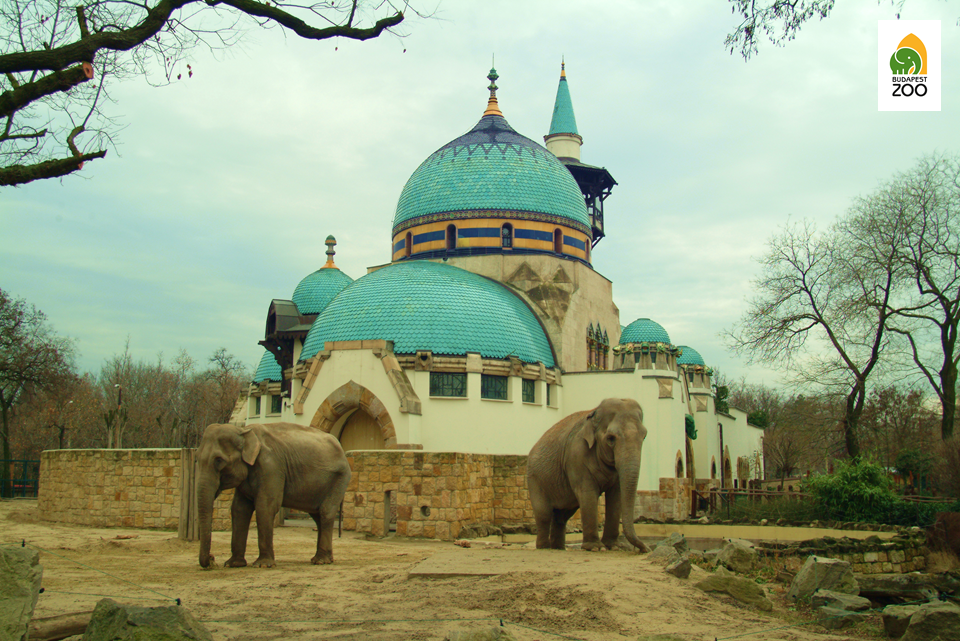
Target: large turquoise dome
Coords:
[(420, 305), (644, 330), (491, 171), (268, 369), (315, 292)]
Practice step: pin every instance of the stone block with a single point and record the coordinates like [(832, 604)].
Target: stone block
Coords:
[(20, 578)]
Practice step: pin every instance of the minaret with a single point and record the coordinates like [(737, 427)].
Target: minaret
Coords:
[(563, 140), (330, 242)]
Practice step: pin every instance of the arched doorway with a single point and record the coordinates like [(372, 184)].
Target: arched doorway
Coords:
[(557, 241), (360, 431)]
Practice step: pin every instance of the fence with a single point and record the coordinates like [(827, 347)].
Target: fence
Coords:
[(24, 478)]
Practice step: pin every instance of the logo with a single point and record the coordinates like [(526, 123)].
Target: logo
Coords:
[(909, 77), (910, 58)]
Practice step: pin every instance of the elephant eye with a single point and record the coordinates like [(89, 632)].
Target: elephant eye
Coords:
[(219, 462)]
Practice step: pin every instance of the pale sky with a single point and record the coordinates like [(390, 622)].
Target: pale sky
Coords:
[(227, 184)]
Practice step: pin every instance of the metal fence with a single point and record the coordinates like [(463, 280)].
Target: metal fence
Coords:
[(24, 478)]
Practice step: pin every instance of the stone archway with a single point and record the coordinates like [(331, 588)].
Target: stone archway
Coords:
[(727, 472), (349, 397)]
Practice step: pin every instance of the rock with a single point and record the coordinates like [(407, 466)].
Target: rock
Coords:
[(710, 556), (498, 633), (20, 574), (704, 520), (896, 618), (840, 601), (739, 556), (693, 555), (785, 577), (664, 554), (676, 541), (910, 587), (764, 521), (741, 589), (822, 573), (835, 618), (934, 620), (112, 621), (679, 568)]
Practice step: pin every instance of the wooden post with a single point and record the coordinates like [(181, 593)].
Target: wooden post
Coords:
[(188, 528)]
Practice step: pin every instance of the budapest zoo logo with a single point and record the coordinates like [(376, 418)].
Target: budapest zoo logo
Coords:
[(909, 66)]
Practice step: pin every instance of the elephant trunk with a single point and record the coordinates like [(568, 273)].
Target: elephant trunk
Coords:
[(629, 475), (206, 494)]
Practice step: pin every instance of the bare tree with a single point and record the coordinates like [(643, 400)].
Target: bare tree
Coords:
[(32, 357), (57, 62), (821, 311), (918, 213)]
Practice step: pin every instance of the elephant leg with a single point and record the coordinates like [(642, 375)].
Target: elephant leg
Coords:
[(266, 508), (325, 518), (558, 528), (588, 517), (611, 519), (241, 510), (542, 513)]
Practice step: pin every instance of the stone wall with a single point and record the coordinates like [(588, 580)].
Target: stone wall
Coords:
[(873, 555), (117, 488), (672, 500)]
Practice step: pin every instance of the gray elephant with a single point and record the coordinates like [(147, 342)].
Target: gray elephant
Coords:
[(270, 466), (583, 456)]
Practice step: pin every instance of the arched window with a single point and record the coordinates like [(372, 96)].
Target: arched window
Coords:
[(506, 236), (408, 244), (557, 241), (679, 466), (451, 237)]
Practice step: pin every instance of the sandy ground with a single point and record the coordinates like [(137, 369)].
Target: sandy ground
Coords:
[(387, 588)]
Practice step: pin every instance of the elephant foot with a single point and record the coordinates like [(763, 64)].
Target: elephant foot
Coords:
[(235, 562), (591, 546), (322, 559), (263, 562)]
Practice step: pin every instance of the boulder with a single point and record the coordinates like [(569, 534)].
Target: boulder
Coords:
[(741, 589), (914, 586), (677, 541), (679, 568), (840, 601), (112, 621), (710, 556), (738, 555), (934, 620), (20, 575), (664, 554), (497, 633), (693, 555), (896, 618), (835, 618), (822, 573)]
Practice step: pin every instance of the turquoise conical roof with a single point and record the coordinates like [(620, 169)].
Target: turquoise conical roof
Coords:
[(268, 369), (644, 330), (563, 121), (689, 356), (421, 305)]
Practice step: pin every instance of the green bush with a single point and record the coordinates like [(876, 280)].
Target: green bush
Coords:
[(856, 491), (794, 509)]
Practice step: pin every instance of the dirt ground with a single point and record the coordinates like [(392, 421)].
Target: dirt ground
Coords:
[(387, 588)]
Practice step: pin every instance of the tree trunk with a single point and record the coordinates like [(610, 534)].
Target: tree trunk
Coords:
[(948, 384), (851, 417), (628, 499), (6, 481)]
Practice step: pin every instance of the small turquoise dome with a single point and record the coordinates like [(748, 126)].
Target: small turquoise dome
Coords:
[(644, 330), (316, 291), (268, 369), (690, 356), (420, 305), (491, 171)]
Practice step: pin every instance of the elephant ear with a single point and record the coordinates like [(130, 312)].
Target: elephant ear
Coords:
[(251, 446), (588, 431)]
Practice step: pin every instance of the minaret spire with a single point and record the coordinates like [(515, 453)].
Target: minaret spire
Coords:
[(563, 140), (330, 242), (493, 109)]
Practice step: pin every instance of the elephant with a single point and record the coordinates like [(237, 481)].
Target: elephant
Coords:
[(581, 457), (270, 466)]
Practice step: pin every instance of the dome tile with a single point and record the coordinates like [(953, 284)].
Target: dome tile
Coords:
[(644, 330), (689, 356), (268, 369)]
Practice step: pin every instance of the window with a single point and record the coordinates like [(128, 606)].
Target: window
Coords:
[(256, 406), (528, 391), (493, 387), (276, 404), (448, 384), (408, 245), (653, 357), (506, 236), (451, 237), (548, 394), (557, 241)]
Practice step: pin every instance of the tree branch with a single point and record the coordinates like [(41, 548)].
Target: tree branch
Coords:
[(307, 31), (22, 95), (21, 174)]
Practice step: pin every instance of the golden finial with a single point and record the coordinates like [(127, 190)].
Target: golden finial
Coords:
[(331, 242), (493, 109), (563, 66)]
